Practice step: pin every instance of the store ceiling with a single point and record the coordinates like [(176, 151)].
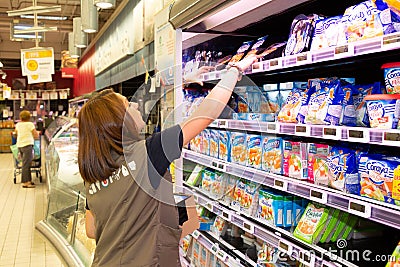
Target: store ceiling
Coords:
[(10, 50)]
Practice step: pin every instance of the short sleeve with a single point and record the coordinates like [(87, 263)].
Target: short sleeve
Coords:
[(163, 148)]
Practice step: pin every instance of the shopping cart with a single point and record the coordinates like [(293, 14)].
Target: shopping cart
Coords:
[(36, 162)]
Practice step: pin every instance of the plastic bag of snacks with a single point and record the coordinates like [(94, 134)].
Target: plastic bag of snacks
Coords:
[(359, 92), (292, 106), (328, 32), (342, 169)]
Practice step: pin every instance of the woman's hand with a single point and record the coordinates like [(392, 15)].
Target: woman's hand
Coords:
[(194, 76)]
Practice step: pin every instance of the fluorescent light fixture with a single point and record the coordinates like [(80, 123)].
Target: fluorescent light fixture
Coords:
[(80, 37), (26, 31), (44, 17), (89, 16), (33, 29), (33, 9), (20, 37), (104, 4)]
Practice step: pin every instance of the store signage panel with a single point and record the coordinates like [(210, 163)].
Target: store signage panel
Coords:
[(45, 96), (164, 48), (14, 95), (37, 61), (117, 42), (39, 78)]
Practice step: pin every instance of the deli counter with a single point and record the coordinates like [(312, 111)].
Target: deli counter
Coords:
[(64, 223)]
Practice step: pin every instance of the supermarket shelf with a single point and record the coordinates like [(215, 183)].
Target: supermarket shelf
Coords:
[(311, 255), (364, 47), (184, 261), (389, 137), (367, 208)]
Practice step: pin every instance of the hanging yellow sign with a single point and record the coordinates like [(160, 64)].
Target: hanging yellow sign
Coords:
[(37, 61)]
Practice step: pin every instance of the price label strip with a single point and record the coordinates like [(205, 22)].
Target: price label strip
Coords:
[(280, 185), (344, 51), (272, 127), (332, 133), (391, 136), (360, 208), (303, 58), (285, 247), (359, 135), (302, 130), (318, 196), (257, 67), (275, 63), (214, 249), (222, 255), (196, 234), (391, 41)]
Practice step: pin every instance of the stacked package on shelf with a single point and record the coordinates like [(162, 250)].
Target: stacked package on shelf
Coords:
[(295, 159), (245, 197), (254, 150), (214, 143), (224, 142), (272, 154), (238, 148)]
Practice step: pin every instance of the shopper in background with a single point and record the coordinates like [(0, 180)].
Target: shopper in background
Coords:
[(128, 188), (26, 133)]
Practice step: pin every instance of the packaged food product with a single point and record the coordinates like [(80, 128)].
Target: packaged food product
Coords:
[(391, 73), (242, 99), (272, 98), (328, 32), (379, 178), (342, 169), (224, 145), (257, 47), (344, 216), (249, 201), (325, 105), (287, 210), (270, 207), (230, 186), (238, 195), (295, 159), (282, 97), (300, 35), (348, 116), (291, 108), (254, 149), (351, 223), (304, 102), (207, 180), (241, 52), (395, 259), (196, 176), (359, 92), (213, 260), (219, 226), (186, 241), (197, 143), (205, 149), (273, 51), (238, 148), (195, 255), (272, 154), (383, 111), (218, 186), (312, 223), (298, 210), (214, 143), (333, 221), (204, 256), (317, 163)]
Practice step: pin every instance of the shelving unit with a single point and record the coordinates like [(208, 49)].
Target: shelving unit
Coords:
[(348, 58)]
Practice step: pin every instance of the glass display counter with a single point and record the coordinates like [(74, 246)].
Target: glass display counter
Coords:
[(64, 224)]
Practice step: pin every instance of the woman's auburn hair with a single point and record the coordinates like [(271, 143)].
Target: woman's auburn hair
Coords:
[(101, 126)]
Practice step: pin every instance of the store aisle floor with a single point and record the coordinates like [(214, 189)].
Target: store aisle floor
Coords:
[(20, 209)]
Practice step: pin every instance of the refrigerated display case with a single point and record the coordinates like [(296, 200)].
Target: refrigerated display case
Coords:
[(64, 224)]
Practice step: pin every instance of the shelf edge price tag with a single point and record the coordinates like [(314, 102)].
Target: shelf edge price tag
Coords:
[(302, 130), (257, 67), (272, 127), (285, 247), (209, 206), (196, 234), (280, 185), (342, 51), (221, 255), (222, 123), (248, 227), (214, 249), (360, 135), (391, 136), (391, 41), (275, 63), (360, 208), (308, 258), (303, 58), (318, 196), (332, 133), (226, 216)]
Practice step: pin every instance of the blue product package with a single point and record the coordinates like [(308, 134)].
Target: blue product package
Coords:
[(254, 97), (272, 98), (205, 149), (359, 93), (327, 32), (297, 209), (325, 105), (287, 211), (348, 116), (305, 99), (342, 169), (270, 207), (378, 177), (224, 150), (291, 108)]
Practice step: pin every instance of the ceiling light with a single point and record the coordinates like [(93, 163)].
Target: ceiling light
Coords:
[(104, 4), (34, 9), (80, 37), (44, 17), (73, 50), (19, 37), (33, 29), (89, 17)]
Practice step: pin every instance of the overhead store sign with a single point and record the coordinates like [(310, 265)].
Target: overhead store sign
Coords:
[(39, 78), (117, 42), (37, 61)]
